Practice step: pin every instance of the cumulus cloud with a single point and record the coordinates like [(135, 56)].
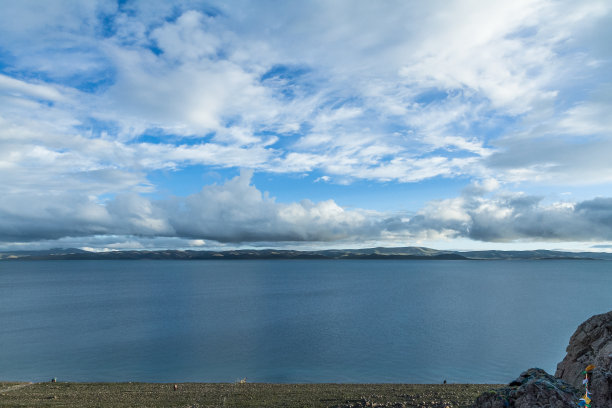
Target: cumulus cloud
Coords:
[(233, 212), (236, 212), (507, 217)]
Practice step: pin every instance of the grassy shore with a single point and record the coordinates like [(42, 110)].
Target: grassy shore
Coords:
[(198, 395)]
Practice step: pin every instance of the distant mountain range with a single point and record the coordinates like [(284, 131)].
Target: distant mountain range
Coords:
[(368, 253)]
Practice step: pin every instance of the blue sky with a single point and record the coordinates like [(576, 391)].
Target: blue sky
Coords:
[(318, 124)]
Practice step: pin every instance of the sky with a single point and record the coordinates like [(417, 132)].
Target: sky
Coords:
[(455, 124)]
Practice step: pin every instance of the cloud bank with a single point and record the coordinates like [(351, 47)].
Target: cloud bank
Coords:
[(236, 212), (510, 217), (233, 212)]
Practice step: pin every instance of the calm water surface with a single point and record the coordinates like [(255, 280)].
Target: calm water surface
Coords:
[(292, 321)]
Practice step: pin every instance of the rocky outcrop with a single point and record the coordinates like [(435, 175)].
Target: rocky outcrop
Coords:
[(591, 344), (533, 388)]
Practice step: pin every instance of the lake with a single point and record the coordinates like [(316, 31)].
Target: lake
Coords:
[(293, 320)]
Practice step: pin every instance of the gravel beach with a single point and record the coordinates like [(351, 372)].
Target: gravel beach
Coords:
[(67, 394)]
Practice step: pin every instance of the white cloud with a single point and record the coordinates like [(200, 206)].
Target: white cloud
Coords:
[(237, 213), (186, 39), (491, 59), (19, 88), (588, 118), (201, 80), (472, 47), (515, 217), (233, 212), (554, 159)]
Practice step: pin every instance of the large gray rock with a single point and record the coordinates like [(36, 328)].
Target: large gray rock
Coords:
[(534, 388), (591, 344)]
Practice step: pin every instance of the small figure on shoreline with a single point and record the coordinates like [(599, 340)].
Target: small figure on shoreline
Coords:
[(175, 387)]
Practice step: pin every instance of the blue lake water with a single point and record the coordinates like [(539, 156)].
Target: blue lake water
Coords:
[(293, 321)]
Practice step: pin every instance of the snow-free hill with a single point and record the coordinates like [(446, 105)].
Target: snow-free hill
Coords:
[(366, 253)]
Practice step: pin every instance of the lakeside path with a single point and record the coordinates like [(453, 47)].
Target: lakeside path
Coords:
[(246, 395)]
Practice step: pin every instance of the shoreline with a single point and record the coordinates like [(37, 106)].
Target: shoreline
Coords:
[(196, 395)]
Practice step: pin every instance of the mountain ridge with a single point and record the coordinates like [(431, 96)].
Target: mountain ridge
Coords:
[(407, 253)]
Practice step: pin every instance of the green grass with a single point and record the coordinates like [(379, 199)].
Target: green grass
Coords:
[(198, 395)]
